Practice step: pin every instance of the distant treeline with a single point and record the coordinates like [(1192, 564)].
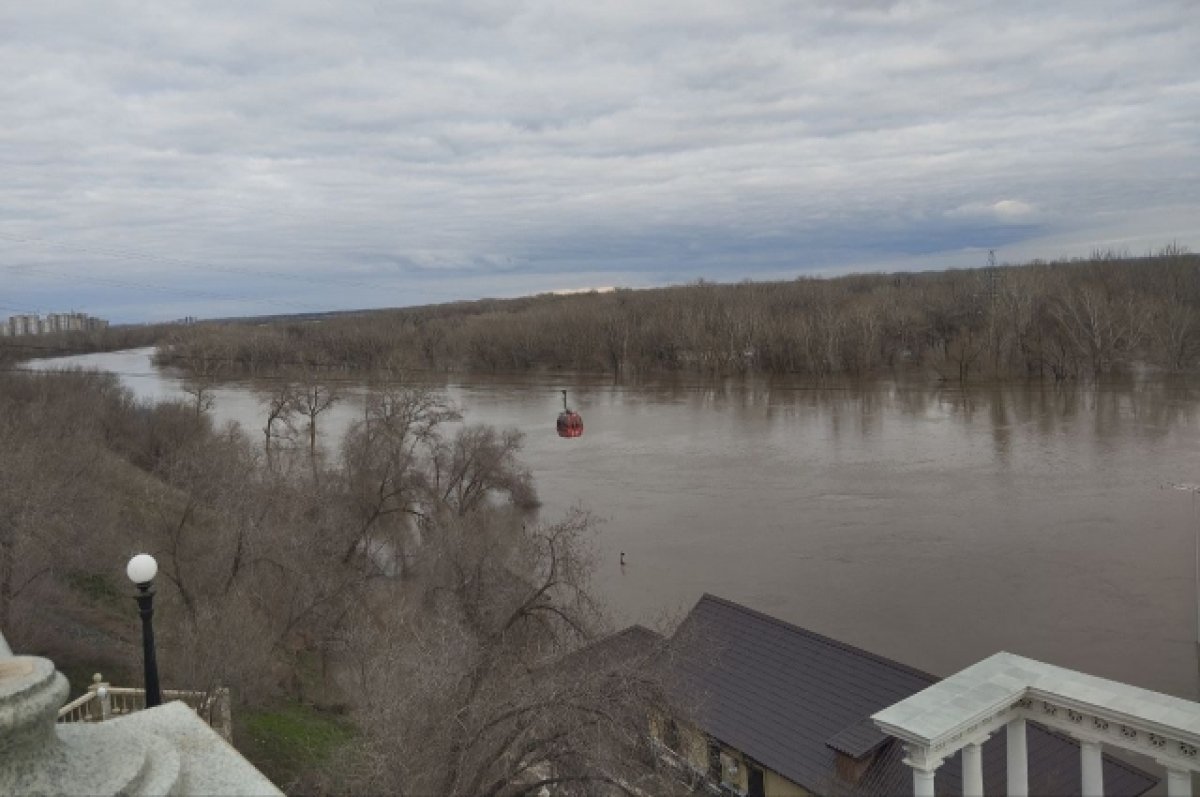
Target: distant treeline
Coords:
[(1062, 320), (58, 344)]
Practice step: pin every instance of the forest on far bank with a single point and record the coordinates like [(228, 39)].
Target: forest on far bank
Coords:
[(59, 344), (1058, 321)]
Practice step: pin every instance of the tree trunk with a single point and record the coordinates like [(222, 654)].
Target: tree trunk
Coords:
[(6, 583)]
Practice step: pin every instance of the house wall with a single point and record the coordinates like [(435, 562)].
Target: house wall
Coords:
[(776, 785), (693, 748), (740, 781)]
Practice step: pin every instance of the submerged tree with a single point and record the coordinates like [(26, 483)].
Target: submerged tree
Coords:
[(312, 397), (280, 402), (203, 375)]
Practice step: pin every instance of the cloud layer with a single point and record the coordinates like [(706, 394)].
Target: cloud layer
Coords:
[(216, 158)]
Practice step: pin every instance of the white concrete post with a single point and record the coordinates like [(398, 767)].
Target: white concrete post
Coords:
[(923, 782), (98, 707), (222, 714), (972, 767), (1092, 761), (1018, 760), (1179, 783), (105, 702)]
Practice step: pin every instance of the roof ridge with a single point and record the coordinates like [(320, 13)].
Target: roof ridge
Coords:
[(636, 627), (819, 637)]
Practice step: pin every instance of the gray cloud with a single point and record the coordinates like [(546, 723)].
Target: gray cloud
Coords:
[(227, 158)]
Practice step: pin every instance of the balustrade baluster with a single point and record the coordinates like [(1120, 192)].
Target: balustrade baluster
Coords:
[(1179, 783), (1091, 758), (1018, 759), (972, 768)]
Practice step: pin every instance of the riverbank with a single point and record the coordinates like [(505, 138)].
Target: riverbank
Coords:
[(1058, 321), (63, 344)]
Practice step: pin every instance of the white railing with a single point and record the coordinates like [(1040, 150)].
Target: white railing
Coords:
[(1004, 691), (103, 701), (78, 709)]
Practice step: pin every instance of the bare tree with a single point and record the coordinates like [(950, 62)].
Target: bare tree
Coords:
[(386, 459), (48, 433), (203, 373), (479, 462), (477, 688), (280, 403), (313, 397)]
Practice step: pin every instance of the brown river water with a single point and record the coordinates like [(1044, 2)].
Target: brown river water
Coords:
[(930, 524)]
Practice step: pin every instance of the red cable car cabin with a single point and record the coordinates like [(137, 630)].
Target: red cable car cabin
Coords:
[(570, 423)]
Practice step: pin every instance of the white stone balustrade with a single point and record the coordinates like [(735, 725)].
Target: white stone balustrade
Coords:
[(1005, 690), (163, 750), (103, 701)]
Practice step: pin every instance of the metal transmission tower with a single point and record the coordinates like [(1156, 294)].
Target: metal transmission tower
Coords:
[(993, 277)]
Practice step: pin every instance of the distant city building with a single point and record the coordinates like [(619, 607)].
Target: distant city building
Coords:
[(31, 324)]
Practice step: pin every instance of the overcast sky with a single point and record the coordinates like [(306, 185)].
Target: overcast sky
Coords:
[(166, 158)]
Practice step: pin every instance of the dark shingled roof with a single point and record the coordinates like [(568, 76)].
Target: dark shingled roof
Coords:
[(859, 739), (791, 700), (636, 640), (613, 650)]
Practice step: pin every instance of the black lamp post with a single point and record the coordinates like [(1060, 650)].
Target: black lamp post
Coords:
[(141, 571)]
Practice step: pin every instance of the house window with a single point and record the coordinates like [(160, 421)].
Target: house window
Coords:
[(755, 786), (671, 737), (729, 770), (715, 770)]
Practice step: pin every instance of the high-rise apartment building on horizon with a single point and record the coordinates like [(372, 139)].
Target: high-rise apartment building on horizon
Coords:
[(33, 324)]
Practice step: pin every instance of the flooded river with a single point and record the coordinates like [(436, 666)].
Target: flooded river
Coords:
[(930, 524)]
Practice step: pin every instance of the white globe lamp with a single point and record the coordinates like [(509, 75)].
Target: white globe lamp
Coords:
[(142, 569)]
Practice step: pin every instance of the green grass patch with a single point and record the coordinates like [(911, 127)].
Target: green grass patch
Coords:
[(79, 670), (288, 741), (99, 588)]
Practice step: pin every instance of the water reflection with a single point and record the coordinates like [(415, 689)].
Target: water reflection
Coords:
[(931, 523)]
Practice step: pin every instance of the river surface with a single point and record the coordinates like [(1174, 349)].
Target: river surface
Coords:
[(930, 524)]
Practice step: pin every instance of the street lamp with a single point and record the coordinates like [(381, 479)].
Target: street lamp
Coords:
[(141, 571)]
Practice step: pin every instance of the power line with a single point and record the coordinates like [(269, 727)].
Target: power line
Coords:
[(62, 349), (190, 293), (21, 310), (135, 254), (363, 381), (169, 359), (367, 379)]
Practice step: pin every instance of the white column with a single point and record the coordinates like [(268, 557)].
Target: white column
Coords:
[(972, 767), (922, 782), (1179, 783), (1090, 756), (1018, 760)]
